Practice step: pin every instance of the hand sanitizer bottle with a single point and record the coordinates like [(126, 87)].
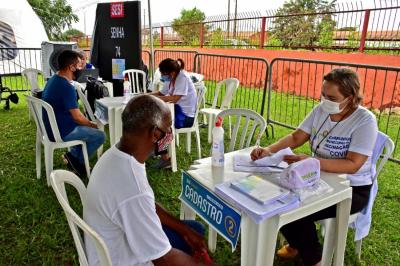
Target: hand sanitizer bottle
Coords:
[(127, 89)]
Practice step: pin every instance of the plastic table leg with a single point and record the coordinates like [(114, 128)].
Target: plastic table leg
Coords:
[(266, 241), (249, 232), (111, 124), (342, 225)]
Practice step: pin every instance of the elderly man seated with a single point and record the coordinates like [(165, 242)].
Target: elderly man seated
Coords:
[(120, 202)]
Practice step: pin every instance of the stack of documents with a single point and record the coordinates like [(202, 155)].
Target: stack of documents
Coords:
[(258, 204), (259, 189), (272, 164)]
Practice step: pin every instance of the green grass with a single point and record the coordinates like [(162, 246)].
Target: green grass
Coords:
[(18, 83), (34, 231)]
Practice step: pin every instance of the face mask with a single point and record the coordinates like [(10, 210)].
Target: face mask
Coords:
[(331, 107), (163, 143), (77, 74), (165, 78)]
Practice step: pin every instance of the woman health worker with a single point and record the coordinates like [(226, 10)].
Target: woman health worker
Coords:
[(179, 89), (342, 135)]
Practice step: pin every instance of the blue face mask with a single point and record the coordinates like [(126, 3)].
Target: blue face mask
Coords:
[(165, 78)]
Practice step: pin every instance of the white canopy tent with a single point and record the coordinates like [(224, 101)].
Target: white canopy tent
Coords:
[(20, 28)]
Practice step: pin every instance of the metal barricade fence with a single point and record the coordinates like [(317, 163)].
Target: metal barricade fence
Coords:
[(250, 71), (146, 57), (295, 88), (13, 61)]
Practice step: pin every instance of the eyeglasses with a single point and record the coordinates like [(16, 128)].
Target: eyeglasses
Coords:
[(164, 132)]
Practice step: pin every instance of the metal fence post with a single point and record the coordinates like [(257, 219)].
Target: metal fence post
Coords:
[(162, 37), (364, 30), (201, 35), (262, 33)]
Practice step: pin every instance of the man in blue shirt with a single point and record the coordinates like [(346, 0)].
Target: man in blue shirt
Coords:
[(72, 124)]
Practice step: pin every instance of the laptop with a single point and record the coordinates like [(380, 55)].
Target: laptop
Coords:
[(94, 73)]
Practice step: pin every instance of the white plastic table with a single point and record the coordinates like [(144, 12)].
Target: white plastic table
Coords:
[(258, 241), (108, 110)]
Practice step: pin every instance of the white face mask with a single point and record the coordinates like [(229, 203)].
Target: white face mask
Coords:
[(331, 107)]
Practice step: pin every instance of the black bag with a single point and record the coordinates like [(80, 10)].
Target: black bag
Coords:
[(13, 97), (95, 89)]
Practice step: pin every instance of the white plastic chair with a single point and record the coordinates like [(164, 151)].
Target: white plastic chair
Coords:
[(231, 86), (385, 150), (134, 76), (247, 122), (31, 75), (38, 106), (58, 179), (195, 128), (252, 121), (86, 106), (89, 112)]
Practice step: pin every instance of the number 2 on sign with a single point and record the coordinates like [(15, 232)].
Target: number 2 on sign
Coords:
[(230, 226)]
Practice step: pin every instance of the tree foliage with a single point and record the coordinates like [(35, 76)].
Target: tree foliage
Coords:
[(188, 25), (216, 38), (304, 30), (56, 15), (70, 33)]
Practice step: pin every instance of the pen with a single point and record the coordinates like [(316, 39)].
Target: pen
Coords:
[(262, 166)]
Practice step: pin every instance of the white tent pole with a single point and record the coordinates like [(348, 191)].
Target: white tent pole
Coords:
[(84, 22), (151, 39)]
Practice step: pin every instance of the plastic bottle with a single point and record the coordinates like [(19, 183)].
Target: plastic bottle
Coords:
[(127, 88), (217, 154)]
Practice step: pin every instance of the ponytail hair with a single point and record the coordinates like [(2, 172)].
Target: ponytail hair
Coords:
[(181, 63), (169, 65)]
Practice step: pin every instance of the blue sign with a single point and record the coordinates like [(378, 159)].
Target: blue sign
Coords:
[(117, 66), (213, 210)]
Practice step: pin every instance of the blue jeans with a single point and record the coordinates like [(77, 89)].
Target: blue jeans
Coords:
[(177, 240), (94, 138), (182, 120)]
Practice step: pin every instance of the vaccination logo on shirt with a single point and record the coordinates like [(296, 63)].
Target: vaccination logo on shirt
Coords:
[(332, 146)]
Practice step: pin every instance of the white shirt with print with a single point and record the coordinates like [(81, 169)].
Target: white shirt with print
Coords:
[(183, 86), (121, 209), (356, 133)]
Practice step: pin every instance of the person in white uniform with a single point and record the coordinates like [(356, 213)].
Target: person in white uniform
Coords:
[(342, 136), (120, 202), (179, 89)]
